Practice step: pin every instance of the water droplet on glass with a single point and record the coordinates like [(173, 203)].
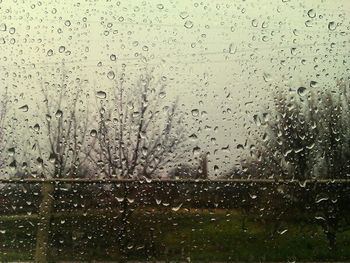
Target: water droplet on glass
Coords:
[(232, 49), (39, 162), (58, 114), (311, 13), (308, 23), (101, 94), (183, 15), (113, 57), (293, 51), (188, 24), (162, 95), (254, 23), (216, 168), (253, 196), (61, 49), (13, 165), (37, 127), (240, 147), (283, 231), (265, 38), (120, 199), (322, 199), (313, 84), (257, 120), (12, 30), (196, 150), (11, 151), (176, 208), (50, 52), (301, 91), (332, 26), (3, 27), (195, 112), (144, 151), (52, 157), (93, 133), (193, 137), (267, 77), (302, 183), (111, 74), (24, 108)]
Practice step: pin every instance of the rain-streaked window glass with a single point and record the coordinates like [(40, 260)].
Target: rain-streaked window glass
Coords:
[(214, 131)]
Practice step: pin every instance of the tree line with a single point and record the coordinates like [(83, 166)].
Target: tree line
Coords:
[(130, 132), (135, 133)]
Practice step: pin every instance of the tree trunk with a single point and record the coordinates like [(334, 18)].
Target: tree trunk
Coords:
[(43, 232), (124, 219), (331, 236)]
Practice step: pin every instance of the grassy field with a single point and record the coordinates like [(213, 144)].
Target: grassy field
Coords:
[(162, 234)]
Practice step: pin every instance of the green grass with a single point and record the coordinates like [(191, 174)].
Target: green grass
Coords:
[(201, 235), (225, 240)]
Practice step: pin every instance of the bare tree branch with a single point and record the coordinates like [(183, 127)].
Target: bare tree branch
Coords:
[(134, 138)]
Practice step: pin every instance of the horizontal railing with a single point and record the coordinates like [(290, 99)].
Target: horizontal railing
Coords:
[(167, 181)]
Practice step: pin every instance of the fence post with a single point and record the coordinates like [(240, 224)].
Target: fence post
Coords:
[(45, 212)]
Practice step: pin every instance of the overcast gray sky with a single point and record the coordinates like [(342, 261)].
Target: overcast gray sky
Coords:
[(221, 57)]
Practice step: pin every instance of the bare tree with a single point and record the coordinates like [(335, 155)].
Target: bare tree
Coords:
[(283, 147), (137, 132), (4, 100), (305, 137), (63, 144), (137, 135), (9, 135)]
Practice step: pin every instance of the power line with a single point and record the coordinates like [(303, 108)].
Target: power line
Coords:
[(155, 24), (34, 65)]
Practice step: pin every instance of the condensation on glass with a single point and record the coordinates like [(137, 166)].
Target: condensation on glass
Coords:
[(174, 131)]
